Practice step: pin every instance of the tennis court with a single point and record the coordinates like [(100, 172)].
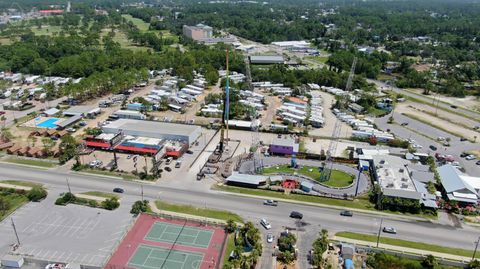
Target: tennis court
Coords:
[(181, 235), (152, 257)]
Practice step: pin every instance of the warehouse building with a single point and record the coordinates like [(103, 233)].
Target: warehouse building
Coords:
[(267, 59), (153, 129)]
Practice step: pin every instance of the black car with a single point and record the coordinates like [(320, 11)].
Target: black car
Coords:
[(454, 106), (168, 169), (189, 152), (477, 163), (404, 123), (296, 215), (463, 139), (118, 190), (464, 154), (346, 213), (432, 147)]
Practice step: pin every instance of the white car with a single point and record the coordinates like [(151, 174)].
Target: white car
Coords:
[(417, 146), (470, 157), (265, 224), (269, 238)]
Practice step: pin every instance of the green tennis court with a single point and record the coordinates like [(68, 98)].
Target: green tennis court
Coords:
[(152, 257), (186, 236)]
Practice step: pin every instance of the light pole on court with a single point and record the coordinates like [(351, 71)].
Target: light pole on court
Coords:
[(379, 231), (68, 186), (474, 252), (15, 231)]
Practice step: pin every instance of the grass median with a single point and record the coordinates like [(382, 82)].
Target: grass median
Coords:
[(22, 183), (12, 202), (408, 244), (197, 211), (359, 203), (433, 125), (39, 163), (100, 194)]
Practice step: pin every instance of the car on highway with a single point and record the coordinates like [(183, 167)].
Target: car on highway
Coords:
[(296, 215), (168, 169), (463, 139), (432, 147), (404, 123), (346, 213), (118, 190), (266, 224), (270, 202), (389, 230), (454, 106), (470, 157), (269, 238)]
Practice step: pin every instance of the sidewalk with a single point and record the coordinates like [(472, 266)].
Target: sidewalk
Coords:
[(154, 209), (403, 249)]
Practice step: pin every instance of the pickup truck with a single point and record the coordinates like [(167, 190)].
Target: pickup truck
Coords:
[(270, 202)]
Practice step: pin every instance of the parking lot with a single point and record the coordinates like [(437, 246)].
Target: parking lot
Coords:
[(69, 233)]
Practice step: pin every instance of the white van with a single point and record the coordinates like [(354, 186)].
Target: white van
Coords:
[(265, 224)]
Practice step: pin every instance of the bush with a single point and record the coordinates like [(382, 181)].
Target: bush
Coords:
[(92, 203), (36, 194), (231, 226), (65, 199), (139, 207), (111, 203)]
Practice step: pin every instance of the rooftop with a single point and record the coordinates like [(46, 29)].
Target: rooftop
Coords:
[(153, 126)]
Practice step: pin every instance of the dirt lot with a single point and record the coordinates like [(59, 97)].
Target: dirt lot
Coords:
[(445, 124), (470, 102)]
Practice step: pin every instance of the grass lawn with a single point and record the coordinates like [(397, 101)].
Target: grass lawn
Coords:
[(46, 30), (229, 247), (408, 244), (196, 211), (109, 173), (359, 203), (337, 178), (15, 201), (318, 59), (139, 23), (38, 163), (100, 194), (376, 112), (21, 183)]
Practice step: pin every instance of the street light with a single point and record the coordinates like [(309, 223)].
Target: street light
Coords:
[(476, 246), (379, 231)]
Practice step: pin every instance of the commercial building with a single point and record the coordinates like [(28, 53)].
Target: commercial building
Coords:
[(267, 59), (198, 32), (458, 186), (129, 114), (153, 129), (284, 146), (250, 181), (393, 175)]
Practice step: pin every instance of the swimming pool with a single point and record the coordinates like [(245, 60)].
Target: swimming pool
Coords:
[(48, 123)]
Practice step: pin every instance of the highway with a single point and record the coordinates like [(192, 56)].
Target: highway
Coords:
[(253, 209)]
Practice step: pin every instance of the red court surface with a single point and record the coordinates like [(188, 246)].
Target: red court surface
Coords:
[(136, 237)]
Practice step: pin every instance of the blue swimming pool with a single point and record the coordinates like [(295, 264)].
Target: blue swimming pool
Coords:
[(48, 123)]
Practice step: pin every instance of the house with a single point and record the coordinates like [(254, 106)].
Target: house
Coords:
[(51, 112), (284, 146)]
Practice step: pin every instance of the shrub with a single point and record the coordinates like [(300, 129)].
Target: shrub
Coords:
[(65, 199), (36, 194), (93, 203), (111, 203), (139, 207)]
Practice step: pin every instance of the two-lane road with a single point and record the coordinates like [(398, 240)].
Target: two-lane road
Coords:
[(252, 209)]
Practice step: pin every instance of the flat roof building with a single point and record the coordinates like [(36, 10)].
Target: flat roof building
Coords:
[(154, 129), (86, 111), (267, 59), (198, 32)]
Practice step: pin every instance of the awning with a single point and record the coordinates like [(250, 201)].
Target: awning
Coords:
[(135, 149), (97, 144)]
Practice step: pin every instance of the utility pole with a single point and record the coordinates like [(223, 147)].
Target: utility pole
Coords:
[(360, 170), (18, 239), (476, 247), (68, 186), (379, 231), (142, 190)]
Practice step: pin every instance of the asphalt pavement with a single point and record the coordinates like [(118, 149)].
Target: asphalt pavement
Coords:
[(252, 209)]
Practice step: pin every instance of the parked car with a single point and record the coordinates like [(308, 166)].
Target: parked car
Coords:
[(189, 152), (270, 202), (296, 215), (269, 238), (129, 157), (346, 213), (464, 154), (432, 147), (470, 157), (168, 169), (454, 106), (477, 163), (95, 163), (463, 139), (389, 230), (266, 224), (178, 164), (118, 190)]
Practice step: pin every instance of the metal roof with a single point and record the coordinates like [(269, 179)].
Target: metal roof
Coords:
[(79, 110), (267, 58), (153, 126), (451, 180), (69, 121), (250, 179)]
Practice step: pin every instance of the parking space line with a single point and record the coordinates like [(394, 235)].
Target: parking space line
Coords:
[(68, 257), (68, 233)]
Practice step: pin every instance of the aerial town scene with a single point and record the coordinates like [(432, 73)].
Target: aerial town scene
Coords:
[(236, 134)]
